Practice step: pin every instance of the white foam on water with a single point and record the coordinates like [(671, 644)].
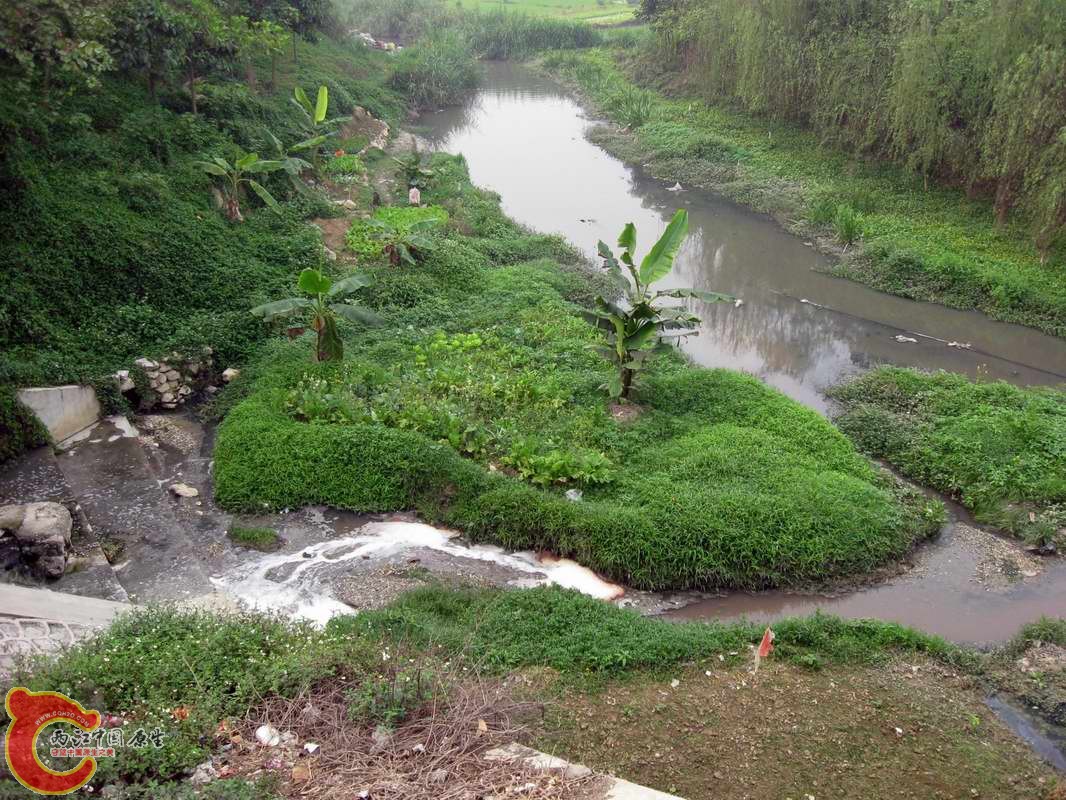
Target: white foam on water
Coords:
[(304, 593)]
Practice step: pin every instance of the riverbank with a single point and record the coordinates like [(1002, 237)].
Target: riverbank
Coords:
[(597, 677), (894, 233)]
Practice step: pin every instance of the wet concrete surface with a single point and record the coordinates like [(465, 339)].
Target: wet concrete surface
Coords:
[(799, 329)]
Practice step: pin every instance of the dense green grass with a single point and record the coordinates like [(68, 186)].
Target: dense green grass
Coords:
[(489, 32), (929, 244), (264, 539), (113, 247), (999, 449), (575, 634), (479, 402), (596, 12), (153, 661)]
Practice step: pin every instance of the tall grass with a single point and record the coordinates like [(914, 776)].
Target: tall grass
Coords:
[(492, 34), (439, 71), (505, 35)]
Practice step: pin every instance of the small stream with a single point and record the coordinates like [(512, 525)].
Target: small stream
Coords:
[(524, 137)]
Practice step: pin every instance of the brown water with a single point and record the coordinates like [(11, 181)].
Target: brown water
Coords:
[(524, 137)]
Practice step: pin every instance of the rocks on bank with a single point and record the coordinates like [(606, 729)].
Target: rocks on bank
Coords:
[(35, 538)]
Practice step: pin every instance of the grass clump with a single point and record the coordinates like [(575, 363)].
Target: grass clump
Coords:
[(999, 449), (478, 403), (265, 540)]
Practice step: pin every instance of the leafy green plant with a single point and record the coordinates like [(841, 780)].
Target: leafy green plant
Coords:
[(345, 165), (848, 224), (400, 244), (414, 172), (636, 332), (316, 123), (556, 465), (235, 177), (364, 237), (321, 308)]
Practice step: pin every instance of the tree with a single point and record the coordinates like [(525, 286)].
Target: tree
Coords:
[(54, 42), (321, 306), (235, 178), (639, 331), (149, 36)]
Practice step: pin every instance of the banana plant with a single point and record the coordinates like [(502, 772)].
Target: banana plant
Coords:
[(400, 244), (316, 124), (320, 305), (642, 328), (293, 166), (235, 177)]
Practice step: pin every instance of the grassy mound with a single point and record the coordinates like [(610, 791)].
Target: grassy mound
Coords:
[(999, 449), (479, 403)]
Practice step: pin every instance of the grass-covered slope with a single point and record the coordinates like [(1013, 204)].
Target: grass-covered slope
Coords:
[(999, 449), (113, 247), (479, 403), (923, 242)]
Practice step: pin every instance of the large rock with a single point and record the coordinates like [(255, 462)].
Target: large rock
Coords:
[(43, 537)]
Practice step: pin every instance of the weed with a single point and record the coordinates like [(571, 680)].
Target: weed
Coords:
[(263, 539), (847, 223)]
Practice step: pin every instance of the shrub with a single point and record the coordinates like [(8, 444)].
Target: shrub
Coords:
[(847, 223), (20, 430)]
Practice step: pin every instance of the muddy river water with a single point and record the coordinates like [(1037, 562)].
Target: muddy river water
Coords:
[(524, 137), (799, 330)]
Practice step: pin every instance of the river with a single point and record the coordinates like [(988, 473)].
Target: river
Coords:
[(799, 329)]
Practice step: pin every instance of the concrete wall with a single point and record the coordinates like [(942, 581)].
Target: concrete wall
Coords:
[(64, 410)]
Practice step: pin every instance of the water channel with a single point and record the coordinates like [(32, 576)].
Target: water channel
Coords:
[(524, 137)]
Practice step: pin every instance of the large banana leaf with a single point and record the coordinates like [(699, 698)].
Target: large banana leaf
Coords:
[(322, 104), (348, 285), (660, 259), (354, 313), (699, 294), (281, 308), (264, 195), (312, 281), (307, 144), (210, 167), (264, 165), (627, 239)]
